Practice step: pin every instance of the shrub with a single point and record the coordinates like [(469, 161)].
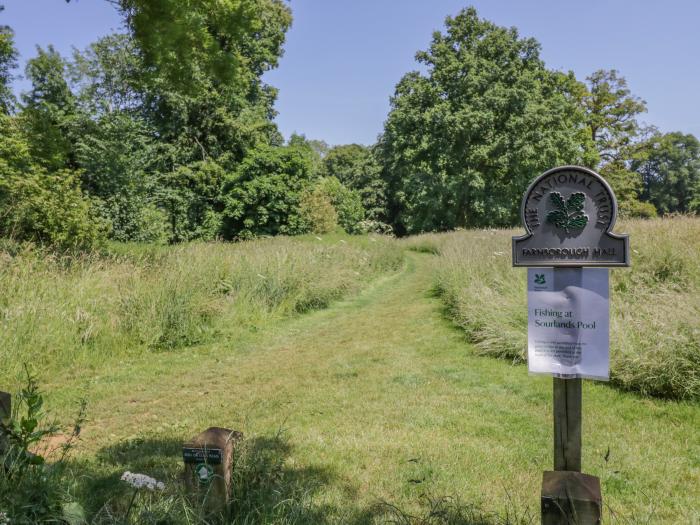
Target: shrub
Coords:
[(317, 212), (33, 490)]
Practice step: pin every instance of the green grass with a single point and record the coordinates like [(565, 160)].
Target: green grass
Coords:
[(381, 404), (59, 313), (374, 409), (655, 304)]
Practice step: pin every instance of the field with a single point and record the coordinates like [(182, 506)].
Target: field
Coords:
[(345, 363), (655, 305)]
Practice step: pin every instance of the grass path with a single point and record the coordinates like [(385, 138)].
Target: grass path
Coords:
[(380, 399)]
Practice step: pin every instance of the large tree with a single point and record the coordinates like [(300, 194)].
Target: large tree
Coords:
[(462, 141), (670, 172), (228, 41), (49, 111), (611, 115)]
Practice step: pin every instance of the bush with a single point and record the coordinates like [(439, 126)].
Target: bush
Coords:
[(33, 490), (637, 210), (346, 202), (49, 209), (317, 212), (263, 196)]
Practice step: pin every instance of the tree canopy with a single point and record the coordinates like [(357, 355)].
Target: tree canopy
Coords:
[(463, 141), (166, 133)]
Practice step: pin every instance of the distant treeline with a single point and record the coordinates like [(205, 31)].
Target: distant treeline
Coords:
[(165, 133)]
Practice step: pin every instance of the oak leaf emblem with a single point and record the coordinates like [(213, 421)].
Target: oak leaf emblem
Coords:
[(568, 214)]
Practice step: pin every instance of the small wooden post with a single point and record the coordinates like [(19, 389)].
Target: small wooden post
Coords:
[(567, 424), (208, 461), (5, 413)]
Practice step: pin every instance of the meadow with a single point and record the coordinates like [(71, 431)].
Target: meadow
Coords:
[(361, 371), (655, 304), (71, 312)]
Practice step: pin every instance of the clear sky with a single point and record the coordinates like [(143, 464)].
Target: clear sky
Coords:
[(344, 57)]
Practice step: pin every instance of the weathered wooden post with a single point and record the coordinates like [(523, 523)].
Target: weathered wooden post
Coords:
[(569, 213), (5, 413), (208, 459)]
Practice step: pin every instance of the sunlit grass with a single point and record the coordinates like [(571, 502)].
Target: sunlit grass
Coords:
[(655, 304)]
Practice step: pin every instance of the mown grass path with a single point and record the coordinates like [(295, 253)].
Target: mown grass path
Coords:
[(380, 398)]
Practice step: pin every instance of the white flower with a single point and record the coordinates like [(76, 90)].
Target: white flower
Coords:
[(4, 520), (140, 481)]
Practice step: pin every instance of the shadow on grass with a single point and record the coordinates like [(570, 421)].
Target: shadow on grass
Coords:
[(266, 489)]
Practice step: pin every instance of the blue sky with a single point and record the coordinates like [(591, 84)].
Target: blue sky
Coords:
[(344, 57)]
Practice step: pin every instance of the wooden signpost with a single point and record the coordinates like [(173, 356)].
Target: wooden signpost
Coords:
[(208, 459), (569, 213)]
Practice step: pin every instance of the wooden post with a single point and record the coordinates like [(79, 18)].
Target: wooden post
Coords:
[(567, 424), (5, 413), (569, 497)]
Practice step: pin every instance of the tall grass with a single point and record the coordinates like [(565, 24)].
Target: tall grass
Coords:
[(655, 304), (56, 311)]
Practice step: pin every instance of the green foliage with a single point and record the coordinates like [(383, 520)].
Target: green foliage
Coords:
[(32, 489), (228, 41), (611, 112), (8, 61), (263, 196), (670, 172), (347, 202), (48, 111), (357, 168), (317, 211), (190, 196), (48, 208), (462, 142)]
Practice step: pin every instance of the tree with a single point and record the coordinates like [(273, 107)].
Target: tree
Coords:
[(174, 147), (462, 142), (346, 202), (38, 206), (49, 111), (8, 61), (229, 42), (670, 172), (317, 211), (263, 196), (356, 167), (611, 115)]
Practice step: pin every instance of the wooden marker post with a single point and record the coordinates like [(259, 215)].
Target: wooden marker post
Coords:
[(5, 413), (569, 213)]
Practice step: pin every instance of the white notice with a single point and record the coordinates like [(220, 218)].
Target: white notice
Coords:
[(568, 330)]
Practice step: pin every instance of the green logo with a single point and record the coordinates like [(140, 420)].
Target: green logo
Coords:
[(539, 278), (568, 214), (204, 473)]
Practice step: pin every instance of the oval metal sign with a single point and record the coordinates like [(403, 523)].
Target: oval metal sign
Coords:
[(569, 213)]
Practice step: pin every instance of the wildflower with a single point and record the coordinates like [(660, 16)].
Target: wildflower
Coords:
[(139, 481), (4, 520)]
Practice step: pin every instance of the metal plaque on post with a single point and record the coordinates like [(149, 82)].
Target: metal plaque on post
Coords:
[(569, 213)]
